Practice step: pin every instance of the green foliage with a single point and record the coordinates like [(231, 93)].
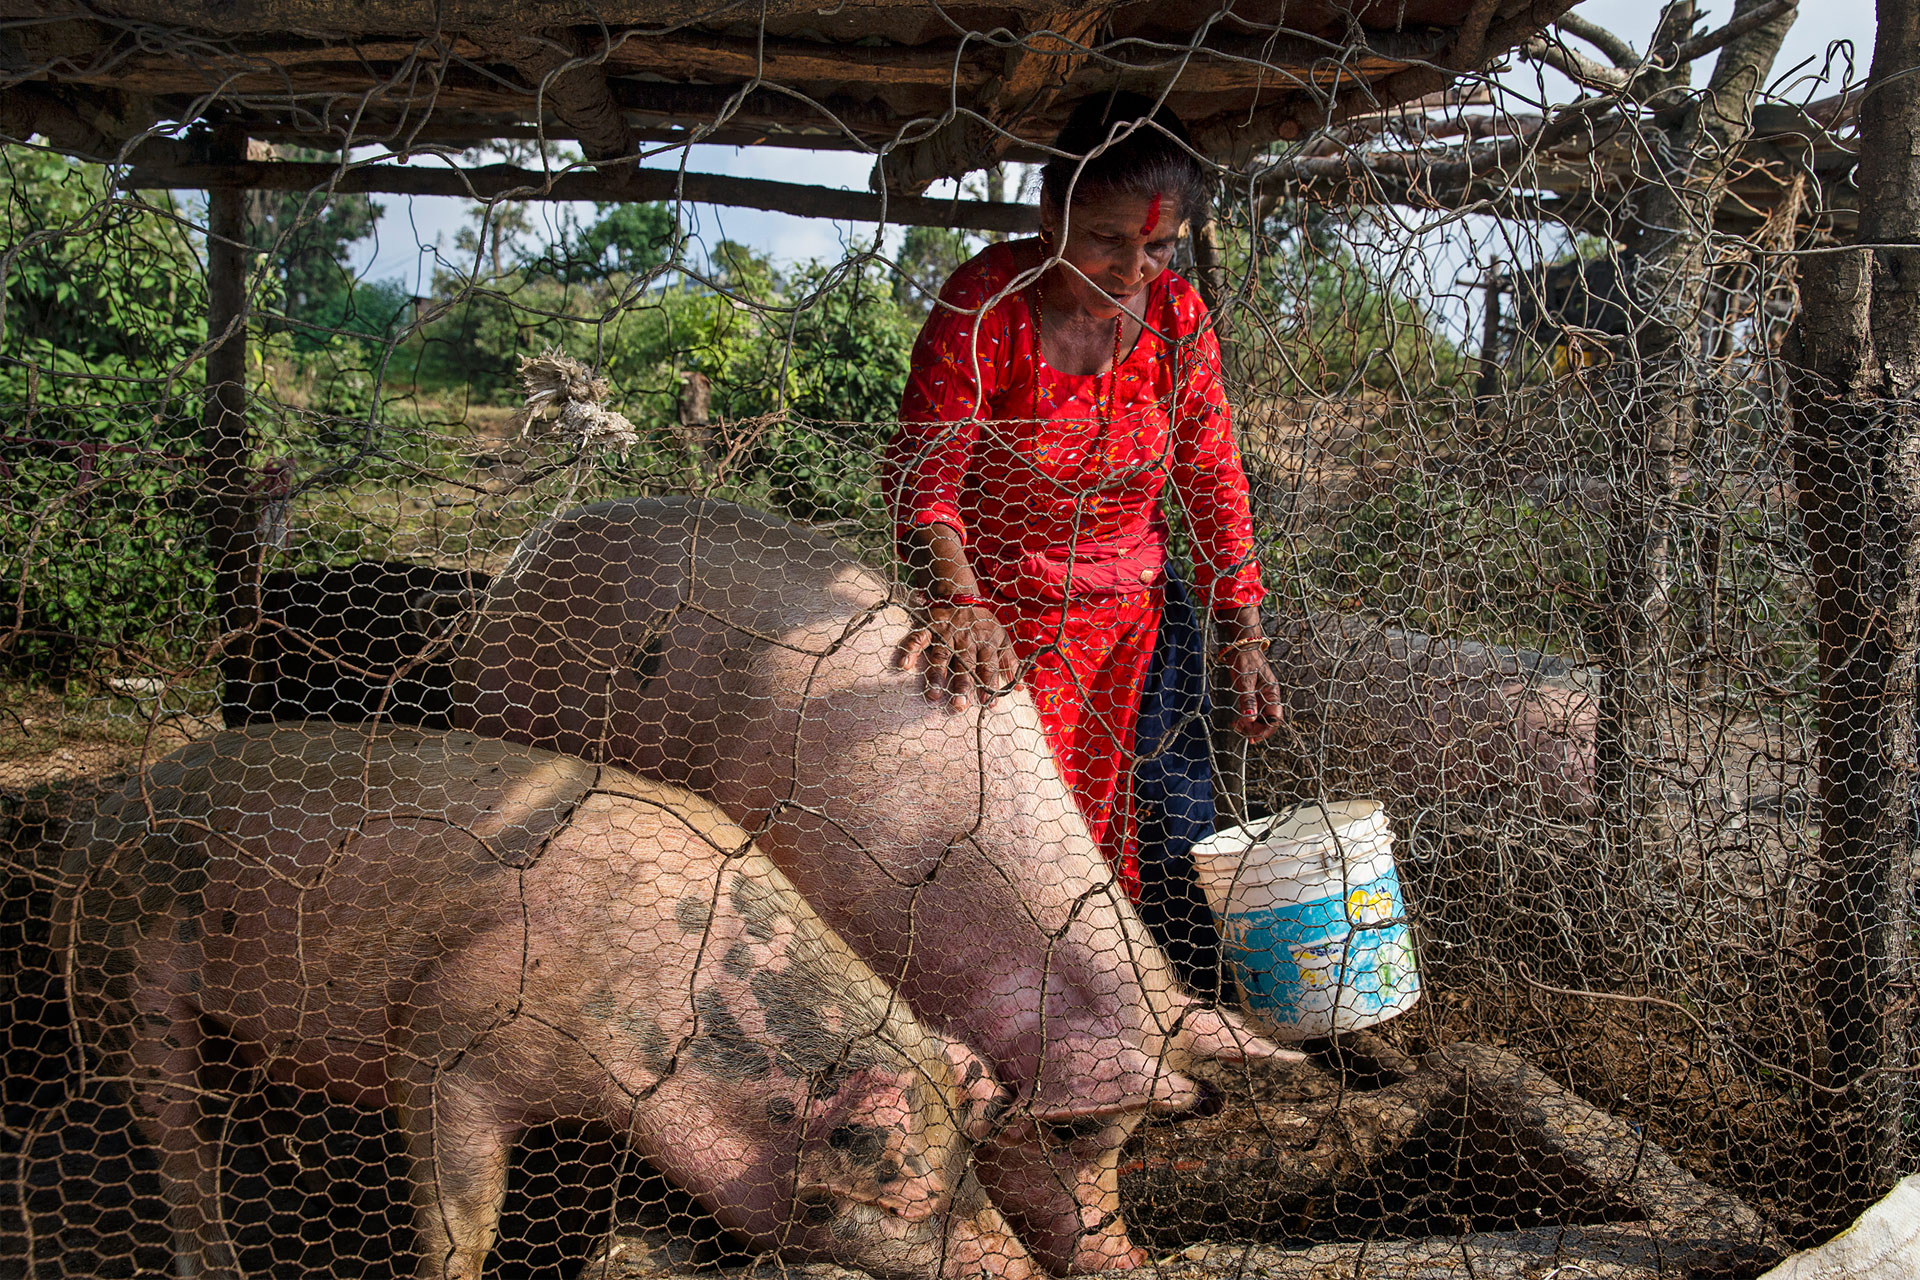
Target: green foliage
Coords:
[(371, 309), (928, 255), (473, 347), (98, 549), (1343, 325), (104, 297), (105, 308), (846, 363), (820, 356), (304, 239), (625, 239)]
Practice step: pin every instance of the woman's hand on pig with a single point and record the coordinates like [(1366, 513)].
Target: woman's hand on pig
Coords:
[(966, 653)]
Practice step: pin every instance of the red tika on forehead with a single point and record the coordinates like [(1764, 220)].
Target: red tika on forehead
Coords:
[(1153, 216)]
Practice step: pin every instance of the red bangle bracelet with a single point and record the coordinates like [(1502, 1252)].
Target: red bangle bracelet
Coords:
[(959, 600)]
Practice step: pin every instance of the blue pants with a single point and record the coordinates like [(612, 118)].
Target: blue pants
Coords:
[(1173, 793)]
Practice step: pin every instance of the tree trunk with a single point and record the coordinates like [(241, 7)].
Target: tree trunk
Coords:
[(1857, 455), (1668, 224)]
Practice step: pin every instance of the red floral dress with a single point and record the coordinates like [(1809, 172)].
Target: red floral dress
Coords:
[(1056, 494)]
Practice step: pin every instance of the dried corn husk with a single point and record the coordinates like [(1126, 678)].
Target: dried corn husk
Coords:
[(563, 399)]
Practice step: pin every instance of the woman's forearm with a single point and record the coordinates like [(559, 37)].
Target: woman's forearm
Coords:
[(1239, 624), (938, 560)]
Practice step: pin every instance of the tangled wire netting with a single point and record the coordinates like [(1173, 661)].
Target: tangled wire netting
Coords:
[(504, 796)]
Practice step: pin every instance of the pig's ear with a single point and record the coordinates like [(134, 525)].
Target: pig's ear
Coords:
[(1079, 1084), (982, 1098), (1209, 1034)]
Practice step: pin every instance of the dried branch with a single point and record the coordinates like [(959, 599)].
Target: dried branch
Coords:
[(1618, 51), (1575, 66), (1698, 47)]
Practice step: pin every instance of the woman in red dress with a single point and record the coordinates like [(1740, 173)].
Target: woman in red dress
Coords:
[(1056, 390)]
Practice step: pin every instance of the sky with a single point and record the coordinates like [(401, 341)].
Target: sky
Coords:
[(411, 226)]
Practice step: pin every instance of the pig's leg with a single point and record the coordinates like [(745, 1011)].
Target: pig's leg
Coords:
[(1064, 1201), (459, 1144), (164, 1061)]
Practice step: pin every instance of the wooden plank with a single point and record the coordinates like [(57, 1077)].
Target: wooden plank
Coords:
[(355, 67), (407, 17), (506, 182)]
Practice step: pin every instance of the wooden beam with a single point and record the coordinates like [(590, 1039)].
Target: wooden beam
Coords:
[(1036, 66), (570, 79), (1508, 25), (407, 17), (1225, 66), (506, 182)]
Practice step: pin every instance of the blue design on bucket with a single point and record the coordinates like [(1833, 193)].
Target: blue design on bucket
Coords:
[(1349, 952)]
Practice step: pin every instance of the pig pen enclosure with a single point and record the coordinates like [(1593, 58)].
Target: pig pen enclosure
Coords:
[(355, 785)]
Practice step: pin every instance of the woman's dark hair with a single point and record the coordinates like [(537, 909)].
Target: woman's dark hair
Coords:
[(1155, 157)]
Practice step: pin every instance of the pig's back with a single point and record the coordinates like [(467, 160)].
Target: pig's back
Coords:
[(617, 629)]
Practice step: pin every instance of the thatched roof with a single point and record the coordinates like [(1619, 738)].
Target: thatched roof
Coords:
[(936, 90)]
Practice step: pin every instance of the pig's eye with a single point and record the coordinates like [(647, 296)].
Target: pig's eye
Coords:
[(817, 1211)]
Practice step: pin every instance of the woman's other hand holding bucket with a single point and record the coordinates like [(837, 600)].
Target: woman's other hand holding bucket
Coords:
[(1256, 691)]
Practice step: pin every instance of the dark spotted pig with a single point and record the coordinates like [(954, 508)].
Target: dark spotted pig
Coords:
[(751, 661), (485, 937)]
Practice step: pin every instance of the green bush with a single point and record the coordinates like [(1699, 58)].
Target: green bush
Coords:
[(99, 529)]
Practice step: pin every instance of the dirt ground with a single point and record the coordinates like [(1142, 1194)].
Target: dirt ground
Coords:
[(51, 738)]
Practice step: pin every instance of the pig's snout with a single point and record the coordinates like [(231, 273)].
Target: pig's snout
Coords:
[(983, 1100), (979, 1243)]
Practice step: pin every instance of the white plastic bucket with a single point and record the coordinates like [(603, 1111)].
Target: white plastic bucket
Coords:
[(1312, 917)]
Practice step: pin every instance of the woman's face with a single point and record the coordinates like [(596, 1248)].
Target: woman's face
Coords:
[(1119, 243)]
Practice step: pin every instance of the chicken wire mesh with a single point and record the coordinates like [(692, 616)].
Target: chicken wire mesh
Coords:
[(494, 797)]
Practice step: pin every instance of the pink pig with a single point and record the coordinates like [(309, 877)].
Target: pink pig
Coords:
[(750, 660), (485, 937)]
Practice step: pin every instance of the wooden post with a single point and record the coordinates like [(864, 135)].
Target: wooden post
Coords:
[(1487, 383), (1206, 261), (223, 438), (1229, 750), (1212, 281)]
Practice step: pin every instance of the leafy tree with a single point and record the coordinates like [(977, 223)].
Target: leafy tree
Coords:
[(104, 297), (626, 239), (475, 346), (928, 255), (1351, 327), (305, 239), (846, 356)]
